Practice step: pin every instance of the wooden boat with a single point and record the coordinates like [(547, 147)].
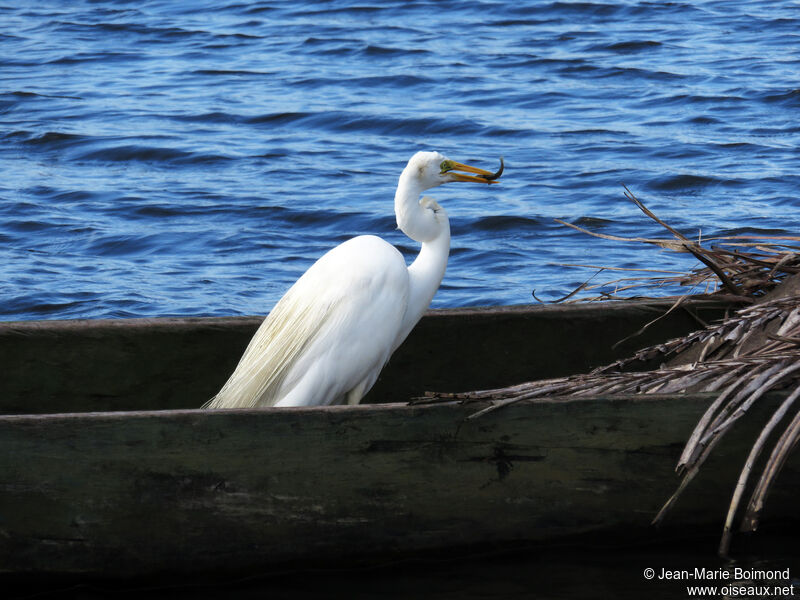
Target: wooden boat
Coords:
[(109, 468)]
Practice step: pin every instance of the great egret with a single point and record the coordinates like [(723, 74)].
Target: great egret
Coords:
[(328, 338)]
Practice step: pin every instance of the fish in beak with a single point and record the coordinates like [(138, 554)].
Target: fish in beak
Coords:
[(480, 175)]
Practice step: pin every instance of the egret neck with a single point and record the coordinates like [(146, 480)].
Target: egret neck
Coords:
[(424, 221)]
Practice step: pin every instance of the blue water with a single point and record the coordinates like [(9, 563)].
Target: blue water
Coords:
[(194, 158)]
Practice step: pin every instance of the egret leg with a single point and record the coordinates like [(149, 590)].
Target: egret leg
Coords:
[(354, 396)]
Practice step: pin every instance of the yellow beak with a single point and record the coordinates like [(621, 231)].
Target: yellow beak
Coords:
[(484, 176)]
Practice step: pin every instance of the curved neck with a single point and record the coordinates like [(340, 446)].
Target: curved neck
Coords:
[(424, 277), (410, 215), (426, 222)]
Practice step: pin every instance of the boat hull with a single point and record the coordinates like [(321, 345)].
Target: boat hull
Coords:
[(142, 492)]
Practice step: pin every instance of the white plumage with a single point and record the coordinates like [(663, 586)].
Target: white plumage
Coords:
[(327, 339)]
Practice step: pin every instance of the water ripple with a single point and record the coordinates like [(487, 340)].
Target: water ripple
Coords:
[(194, 158)]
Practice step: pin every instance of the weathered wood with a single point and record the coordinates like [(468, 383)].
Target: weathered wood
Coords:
[(185, 491), (126, 364), (148, 491), (150, 364)]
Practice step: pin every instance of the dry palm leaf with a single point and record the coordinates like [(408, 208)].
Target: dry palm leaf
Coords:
[(741, 266)]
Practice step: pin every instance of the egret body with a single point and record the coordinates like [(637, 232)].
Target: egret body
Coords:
[(328, 338)]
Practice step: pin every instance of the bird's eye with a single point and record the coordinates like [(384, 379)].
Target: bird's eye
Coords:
[(447, 165)]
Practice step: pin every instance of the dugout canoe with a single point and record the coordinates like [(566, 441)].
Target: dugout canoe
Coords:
[(108, 468)]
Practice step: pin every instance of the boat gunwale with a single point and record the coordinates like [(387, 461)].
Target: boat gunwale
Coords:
[(469, 311), (378, 407)]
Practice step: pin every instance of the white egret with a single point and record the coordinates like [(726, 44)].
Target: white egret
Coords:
[(328, 338)]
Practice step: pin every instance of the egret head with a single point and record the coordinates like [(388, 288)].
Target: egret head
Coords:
[(424, 220), (433, 168)]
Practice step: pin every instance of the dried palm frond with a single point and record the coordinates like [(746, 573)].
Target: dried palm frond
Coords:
[(741, 266)]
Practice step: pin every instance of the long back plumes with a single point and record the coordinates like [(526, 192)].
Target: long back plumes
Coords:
[(280, 339)]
